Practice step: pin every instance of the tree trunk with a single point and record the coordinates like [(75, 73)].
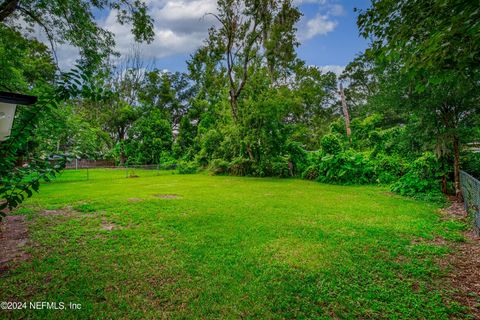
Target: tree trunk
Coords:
[(345, 111), (456, 167), (234, 106), (250, 153), (444, 184), (122, 154)]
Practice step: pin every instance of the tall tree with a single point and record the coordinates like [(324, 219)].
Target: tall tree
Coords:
[(168, 92), (250, 32), (436, 44), (73, 22)]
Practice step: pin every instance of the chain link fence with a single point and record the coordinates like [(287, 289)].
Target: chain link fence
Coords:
[(85, 173), (471, 196)]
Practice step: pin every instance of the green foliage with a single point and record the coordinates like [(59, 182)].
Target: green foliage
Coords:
[(424, 34), (273, 167), (18, 183), (74, 22), (25, 63), (422, 179), (388, 168), (149, 137), (219, 166), (471, 163), (422, 70), (347, 167), (240, 166), (331, 144), (311, 172), (187, 167)]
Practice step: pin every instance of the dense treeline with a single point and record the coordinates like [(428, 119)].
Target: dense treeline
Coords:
[(247, 105)]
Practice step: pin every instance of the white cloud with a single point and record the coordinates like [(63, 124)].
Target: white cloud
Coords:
[(180, 28), (182, 25), (320, 25), (185, 10), (336, 10), (323, 22), (332, 68), (65, 54)]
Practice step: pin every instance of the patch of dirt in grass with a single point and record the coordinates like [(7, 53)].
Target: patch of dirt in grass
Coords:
[(65, 212), (456, 209), (134, 199), (167, 196), (109, 226), (13, 239), (59, 212), (437, 241), (464, 263)]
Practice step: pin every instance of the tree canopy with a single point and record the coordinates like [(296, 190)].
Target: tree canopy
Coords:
[(246, 103)]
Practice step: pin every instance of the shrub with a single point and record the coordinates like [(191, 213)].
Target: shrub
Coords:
[(219, 166), (275, 167), (311, 173), (347, 167), (422, 179), (241, 167), (388, 169), (298, 156), (185, 167), (471, 163), (331, 144)]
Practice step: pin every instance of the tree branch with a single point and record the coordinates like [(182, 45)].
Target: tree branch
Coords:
[(7, 8), (50, 37)]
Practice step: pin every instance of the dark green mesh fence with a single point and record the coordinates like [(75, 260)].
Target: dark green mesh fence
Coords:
[(471, 196), (113, 173)]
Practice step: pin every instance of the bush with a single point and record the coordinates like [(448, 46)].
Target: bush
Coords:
[(185, 167), (275, 167), (388, 169), (311, 173), (219, 166), (344, 167), (298, 156), (348, 167), (331, 144), (241, 167), (471, 163), (422, 179)]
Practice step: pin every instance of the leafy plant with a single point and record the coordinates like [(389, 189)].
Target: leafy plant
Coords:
[(19, 182), (185, 167), (422, 179)]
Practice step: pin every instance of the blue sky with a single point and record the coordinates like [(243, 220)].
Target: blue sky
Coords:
[(327, 31), (338, 47)]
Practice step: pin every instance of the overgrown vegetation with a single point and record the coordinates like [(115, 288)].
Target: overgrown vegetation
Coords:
[(249, 106), (207, 242)]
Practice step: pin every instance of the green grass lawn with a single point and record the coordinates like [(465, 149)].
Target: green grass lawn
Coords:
[(230, 247)]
